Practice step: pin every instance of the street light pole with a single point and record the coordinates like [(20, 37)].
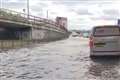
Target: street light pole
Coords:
[(28, 12), (47, 13)]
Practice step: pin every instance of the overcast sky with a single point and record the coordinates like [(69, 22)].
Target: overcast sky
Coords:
[(81, 14)]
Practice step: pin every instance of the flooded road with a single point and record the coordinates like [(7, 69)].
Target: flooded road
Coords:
[(61, 60)]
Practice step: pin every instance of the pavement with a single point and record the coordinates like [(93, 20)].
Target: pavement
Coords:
[(61, 60)]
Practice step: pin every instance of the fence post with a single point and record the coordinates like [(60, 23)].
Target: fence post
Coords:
[(1, 44), (12, 44)]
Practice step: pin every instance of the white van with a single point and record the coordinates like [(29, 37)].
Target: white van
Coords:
[(105, 40)]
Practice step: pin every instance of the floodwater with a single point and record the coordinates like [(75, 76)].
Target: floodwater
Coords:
[(61, 60)]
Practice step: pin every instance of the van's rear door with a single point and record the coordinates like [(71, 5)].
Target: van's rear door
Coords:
[(107, 39)]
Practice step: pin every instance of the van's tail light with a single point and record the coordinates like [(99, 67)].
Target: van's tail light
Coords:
[(91, 41)]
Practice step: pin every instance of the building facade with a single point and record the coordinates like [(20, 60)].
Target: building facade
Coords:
[(62, 21)]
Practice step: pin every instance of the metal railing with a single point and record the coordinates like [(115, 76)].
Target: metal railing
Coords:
[(11, 15)]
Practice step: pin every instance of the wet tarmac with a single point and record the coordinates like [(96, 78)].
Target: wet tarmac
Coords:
[(61, 60)]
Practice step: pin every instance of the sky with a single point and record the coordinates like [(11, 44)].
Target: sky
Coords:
[(81, 14)]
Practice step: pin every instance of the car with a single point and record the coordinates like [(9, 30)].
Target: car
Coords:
[(86, 35), (105, 41), (75, 35)]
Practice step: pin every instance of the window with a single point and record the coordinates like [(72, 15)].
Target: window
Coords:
[(107, 31)]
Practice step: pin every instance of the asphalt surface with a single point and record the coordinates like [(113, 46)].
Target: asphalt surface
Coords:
[(61, 60)]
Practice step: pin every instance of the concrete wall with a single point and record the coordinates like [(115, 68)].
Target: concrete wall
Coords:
[(46, 35), (43, 32), (38, 34), (23, 34)]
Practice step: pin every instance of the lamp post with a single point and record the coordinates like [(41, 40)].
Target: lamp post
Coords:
[(28, 7), (47, 13), (24, 12)]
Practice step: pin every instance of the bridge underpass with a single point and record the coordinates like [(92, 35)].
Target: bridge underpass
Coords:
[(17, 28), (14, 35), (9, 31)]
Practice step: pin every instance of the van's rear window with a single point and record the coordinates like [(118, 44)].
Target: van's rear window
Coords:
[(107, 31)]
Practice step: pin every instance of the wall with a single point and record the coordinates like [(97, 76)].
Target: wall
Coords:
[(43, 32), (46, 35)]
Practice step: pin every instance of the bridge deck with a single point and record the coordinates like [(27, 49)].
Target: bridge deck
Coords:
[(27, 20)]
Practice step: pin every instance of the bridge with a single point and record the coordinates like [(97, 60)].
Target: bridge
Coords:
[(20, 26)]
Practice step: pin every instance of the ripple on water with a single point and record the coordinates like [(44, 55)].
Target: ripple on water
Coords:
[(29, 75), (7, 74), (22, 65), (104, 68)]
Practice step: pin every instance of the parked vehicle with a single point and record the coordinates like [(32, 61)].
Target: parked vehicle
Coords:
[(105, 40)]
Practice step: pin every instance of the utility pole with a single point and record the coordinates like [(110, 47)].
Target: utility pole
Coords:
[(47, 14), (28, 8), (24, 10)]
